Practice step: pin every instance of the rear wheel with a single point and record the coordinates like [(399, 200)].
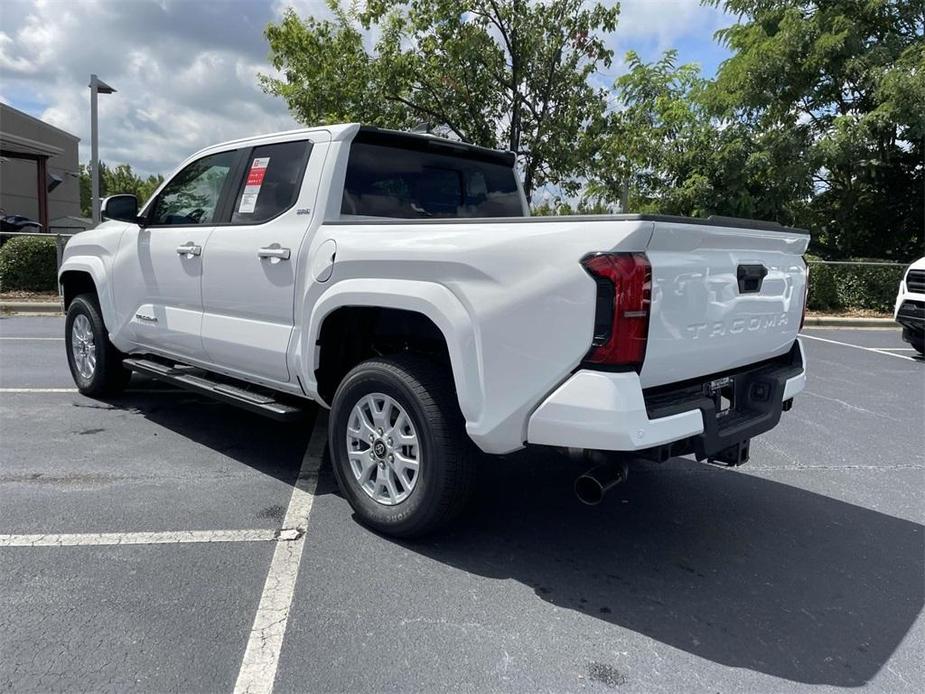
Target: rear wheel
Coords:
[(96, 365), (398, 445)]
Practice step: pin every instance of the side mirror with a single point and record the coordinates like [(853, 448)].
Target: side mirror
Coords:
[(123, 208)]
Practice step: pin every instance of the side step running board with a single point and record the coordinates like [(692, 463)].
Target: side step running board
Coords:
[(199, 381)]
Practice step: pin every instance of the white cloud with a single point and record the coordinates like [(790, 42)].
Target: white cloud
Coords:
[(186, 70), (667, 20)]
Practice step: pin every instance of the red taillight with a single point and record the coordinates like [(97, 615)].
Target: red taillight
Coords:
[(622, 324), (805, 295)]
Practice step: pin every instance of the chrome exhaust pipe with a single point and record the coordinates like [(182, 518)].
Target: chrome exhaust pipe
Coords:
[(591, 487)]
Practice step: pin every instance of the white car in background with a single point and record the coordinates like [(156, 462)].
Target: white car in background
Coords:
[(909, 311)]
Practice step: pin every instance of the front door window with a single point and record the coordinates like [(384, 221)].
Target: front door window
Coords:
[(192, 195)]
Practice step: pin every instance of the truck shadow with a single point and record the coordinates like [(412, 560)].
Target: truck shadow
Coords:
[(740, 570), (728, 566)]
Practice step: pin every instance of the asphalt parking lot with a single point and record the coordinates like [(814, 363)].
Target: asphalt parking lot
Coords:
[(152, 542)]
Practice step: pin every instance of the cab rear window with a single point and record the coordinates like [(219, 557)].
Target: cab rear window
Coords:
[(414, 179)]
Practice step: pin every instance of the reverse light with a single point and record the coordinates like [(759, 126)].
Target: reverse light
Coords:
[(621, 321)]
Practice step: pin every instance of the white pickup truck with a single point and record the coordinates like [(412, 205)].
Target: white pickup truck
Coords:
[(398, 280)]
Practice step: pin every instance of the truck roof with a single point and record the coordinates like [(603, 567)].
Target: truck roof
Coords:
[(347, 131)]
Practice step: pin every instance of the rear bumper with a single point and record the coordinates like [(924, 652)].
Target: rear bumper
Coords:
[(610, 411)]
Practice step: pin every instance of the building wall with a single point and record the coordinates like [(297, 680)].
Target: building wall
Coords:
[(18, 176)]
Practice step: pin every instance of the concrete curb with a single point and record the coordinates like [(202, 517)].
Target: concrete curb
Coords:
[(47, 307), (846, 322), (811, 321)]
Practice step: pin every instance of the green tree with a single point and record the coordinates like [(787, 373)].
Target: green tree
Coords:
[(498, 73), (664, 149), (847, 79), (121, 179)]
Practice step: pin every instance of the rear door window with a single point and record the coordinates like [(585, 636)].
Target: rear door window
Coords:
[(393, 181), (271, 182)]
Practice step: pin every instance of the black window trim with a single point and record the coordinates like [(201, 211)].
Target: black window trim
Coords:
[(226, 199), (219, 207), (421, 142), (225, 208)]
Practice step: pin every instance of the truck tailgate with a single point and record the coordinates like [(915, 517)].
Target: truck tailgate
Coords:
[(722, 297)]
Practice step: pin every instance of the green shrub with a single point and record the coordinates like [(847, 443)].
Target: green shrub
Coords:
[(842, 287), (28, 263)]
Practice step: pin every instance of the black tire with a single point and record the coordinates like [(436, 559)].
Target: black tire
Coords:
[(108, 375), (425, 391)]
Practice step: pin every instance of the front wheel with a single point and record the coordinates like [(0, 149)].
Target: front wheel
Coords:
[(398, 445), (96, 365), (916, 339)]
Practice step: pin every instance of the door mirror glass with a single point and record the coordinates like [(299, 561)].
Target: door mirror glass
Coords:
[(123, 208)]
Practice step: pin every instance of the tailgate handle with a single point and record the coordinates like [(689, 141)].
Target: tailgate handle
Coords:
[(750, 277)]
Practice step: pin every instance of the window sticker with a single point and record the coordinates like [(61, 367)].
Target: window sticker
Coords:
[(252, 188)]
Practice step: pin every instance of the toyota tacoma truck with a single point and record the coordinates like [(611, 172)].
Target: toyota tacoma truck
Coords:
[(398, 280)]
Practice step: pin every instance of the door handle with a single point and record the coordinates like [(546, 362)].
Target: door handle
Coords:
[(189, 249), (273, 252)]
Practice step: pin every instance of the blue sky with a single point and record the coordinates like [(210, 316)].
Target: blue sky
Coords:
[(696, 47), (185, 70)]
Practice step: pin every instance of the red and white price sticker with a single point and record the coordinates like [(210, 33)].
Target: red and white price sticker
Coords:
[(252, 188)]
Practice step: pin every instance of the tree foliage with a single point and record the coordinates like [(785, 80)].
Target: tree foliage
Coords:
[(665, 149), (817, 119), (846, 80), (499, 73), (120, 179), (835, 288), (28, 263)]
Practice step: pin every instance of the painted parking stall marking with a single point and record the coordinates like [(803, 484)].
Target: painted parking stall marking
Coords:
[(261, 658), (877, 350), (38, 390), (131, 391), (143, 538)]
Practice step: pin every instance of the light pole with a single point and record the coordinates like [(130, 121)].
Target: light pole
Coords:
[(97, 86)]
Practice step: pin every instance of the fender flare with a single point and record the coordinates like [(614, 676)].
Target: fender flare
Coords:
[(432, 300), (93, 266)]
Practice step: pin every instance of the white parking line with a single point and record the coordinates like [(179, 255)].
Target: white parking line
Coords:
[(866, 349), (144, 538), (143, 391), (38, 390), (261, 658)]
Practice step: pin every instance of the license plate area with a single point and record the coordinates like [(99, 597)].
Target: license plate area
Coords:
[(722, 392)]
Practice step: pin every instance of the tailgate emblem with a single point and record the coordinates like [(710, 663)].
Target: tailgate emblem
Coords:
[(737, 325)]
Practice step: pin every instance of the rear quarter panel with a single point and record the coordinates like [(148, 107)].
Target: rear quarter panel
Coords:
[(528, 302)]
